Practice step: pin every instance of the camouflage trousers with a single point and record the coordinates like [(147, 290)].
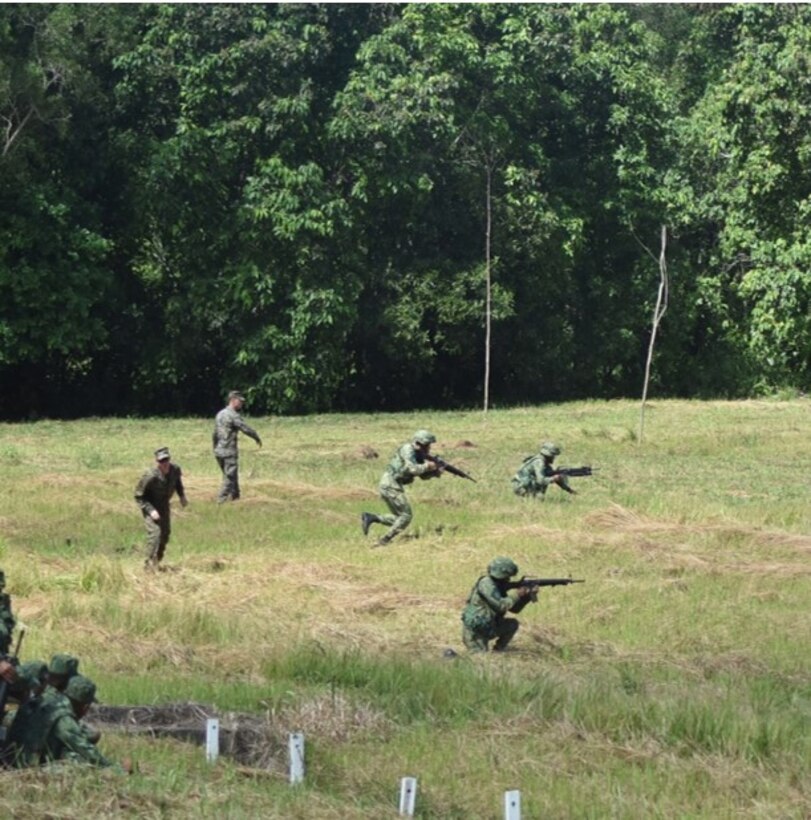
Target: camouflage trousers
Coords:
[(502, 629), (230, 478), (157, 536), (399, 518)]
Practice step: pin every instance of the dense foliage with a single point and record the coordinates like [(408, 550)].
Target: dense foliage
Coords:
[(293, 198)]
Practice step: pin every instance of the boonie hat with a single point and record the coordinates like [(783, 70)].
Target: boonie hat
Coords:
[(162, 454)]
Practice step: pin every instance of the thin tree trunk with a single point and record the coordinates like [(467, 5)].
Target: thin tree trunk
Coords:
[(658, 312), (487, 304)]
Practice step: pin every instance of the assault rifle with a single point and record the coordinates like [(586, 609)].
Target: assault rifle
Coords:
[(4, 685), (448, 468), (573, 472), (534, 583)]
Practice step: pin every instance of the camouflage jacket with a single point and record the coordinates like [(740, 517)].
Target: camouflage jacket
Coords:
[(7, 622), (487, 602), (405, 464), (534, 475), (48, 730), (227, 425), (155, 489)]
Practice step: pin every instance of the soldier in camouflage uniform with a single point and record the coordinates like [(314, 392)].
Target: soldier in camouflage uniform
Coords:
[(537, 473), (7, 620), (227, 425), (152, 494), (407, 463), (483, 618), (52, 731)]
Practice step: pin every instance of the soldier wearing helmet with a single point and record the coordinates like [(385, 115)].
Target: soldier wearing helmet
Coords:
[(483, 618), (409, 461), (536, 473)]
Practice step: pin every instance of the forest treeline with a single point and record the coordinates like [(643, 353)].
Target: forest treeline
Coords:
[(297, 200)]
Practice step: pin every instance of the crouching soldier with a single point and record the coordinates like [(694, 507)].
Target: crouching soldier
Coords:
[(483, 619), (53, 733)]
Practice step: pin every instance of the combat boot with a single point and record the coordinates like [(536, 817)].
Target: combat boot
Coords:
[(366, 521)]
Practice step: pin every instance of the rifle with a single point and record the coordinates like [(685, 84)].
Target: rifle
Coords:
[(534, 583), (449, 468), (574, 472), (4, 686)]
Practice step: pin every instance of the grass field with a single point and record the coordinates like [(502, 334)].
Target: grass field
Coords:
[(676, 682)]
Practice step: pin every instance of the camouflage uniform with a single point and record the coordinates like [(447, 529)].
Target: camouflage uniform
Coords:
[(537, 473), (227, 424), (483, 617), (407, 463), (153, 492), (7, 620), (50, 731)]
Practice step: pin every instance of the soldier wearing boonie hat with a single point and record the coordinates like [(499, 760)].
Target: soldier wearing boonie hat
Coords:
[(152, 495)]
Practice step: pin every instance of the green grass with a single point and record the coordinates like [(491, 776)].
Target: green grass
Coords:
[(674, 683)]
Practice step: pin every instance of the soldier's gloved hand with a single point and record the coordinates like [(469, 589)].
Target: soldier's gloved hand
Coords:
[(184, 502), (7, 671), (155, 515), (524, 591)]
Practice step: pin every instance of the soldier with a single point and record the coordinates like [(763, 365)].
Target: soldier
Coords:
[(409, 460), (537, 473), (227, 425), (7, 620), (483, 618), (152, 494), (53, 731)]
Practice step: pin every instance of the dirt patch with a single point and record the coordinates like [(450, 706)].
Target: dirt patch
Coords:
[(257, 741)]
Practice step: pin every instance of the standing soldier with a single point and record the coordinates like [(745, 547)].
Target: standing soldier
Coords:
[(483, 619), (410, 460), (227, 424), (536, 473), (154, 490)]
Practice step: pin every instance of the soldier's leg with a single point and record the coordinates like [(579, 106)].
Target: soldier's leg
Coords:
[(401, 513), (505, 631), (166, 531), (230, 478), (474, 641), (153, 541)]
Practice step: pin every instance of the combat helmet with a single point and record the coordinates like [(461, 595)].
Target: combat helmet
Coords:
[(502, 568), (424, 437), (549, 449)]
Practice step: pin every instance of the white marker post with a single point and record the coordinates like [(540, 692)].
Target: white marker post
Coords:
[(212, 739), (408, 796), (512, 805), (296, 753)]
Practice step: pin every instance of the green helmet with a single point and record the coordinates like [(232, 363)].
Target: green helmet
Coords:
[(550, 449), (502, 568), (81, 689), (424, 437)]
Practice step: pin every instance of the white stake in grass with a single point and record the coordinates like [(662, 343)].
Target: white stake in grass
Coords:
[(296, 752), (408, 796), (212, 739), (512, 805)]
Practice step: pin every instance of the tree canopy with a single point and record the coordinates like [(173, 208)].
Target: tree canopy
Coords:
[(293, 199)]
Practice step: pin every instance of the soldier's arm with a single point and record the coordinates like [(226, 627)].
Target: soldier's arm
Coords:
[(69, 733), (412, 465), (497, 601), (240, 424), (140, 495), (179, 488)]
